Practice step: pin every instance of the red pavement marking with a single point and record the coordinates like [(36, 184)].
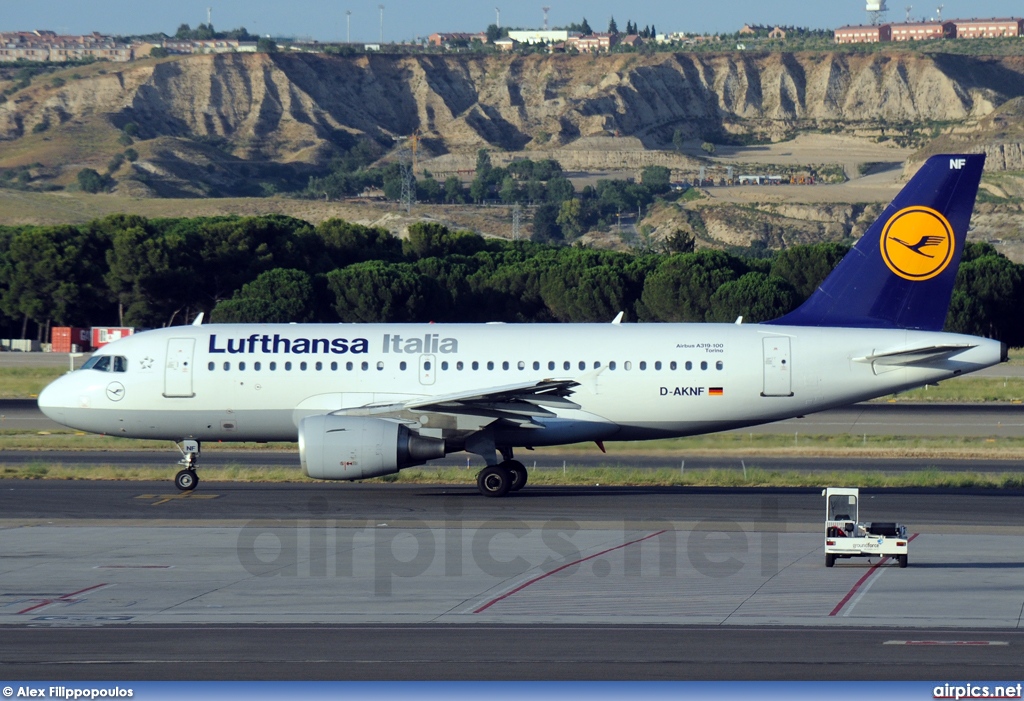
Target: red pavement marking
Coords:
[(492, 602), (860, 582), (66, 598)]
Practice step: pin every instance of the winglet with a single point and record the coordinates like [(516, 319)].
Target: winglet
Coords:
[(618, 318), (901, 272), (198, 321)]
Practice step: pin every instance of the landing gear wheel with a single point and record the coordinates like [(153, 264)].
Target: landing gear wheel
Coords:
[(518, 472), (494, 481), (830, 560), (186, 480), (902, 559)]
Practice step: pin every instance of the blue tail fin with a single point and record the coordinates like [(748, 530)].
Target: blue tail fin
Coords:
[(901, 273)]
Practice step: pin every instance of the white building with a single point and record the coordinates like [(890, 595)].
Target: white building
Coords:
[(540, 36)]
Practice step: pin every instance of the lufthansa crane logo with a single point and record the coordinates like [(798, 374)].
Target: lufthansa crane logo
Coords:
[(917, 243)]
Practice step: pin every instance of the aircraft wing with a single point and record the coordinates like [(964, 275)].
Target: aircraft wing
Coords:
[(514, 403), (914, 356)]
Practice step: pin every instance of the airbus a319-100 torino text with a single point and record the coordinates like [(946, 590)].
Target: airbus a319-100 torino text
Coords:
[(369, 400)]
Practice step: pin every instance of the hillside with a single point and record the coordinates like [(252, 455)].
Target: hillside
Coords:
[(249, 125)]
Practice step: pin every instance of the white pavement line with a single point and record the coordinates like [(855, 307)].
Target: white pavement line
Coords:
[(864, 590)]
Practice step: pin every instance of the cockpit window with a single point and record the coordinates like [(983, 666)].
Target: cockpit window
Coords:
[(107, 363), (98, 362)]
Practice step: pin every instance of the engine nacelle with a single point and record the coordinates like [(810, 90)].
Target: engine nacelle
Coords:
[(355, 447)]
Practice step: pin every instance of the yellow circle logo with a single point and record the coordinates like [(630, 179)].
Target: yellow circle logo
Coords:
[(917, 243)]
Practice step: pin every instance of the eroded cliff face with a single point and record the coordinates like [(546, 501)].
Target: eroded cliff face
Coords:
[(303, 106)]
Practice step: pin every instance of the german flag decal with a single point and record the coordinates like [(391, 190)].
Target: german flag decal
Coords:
[(715, 391)]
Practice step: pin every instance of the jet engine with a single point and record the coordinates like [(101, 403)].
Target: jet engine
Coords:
[(353, 447)]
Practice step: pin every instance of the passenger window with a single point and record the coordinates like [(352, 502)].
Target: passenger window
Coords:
[(718, 365), (703, 365), (504, 365), (444, 364), (566, 365), (458, 365), (257, 365), (403, 365), (319, 365), (643, 365), (657, 365), (672, 365), (583, 365), (689, 365), (627, 365), (476, 365), (348, 366), (273, 365), (227, 365), (490, 364), (380, 365), (536, 365), (241, 365), (365, 365), (551, 365), (521, 365), (334, 365), (426, 365), (611, 365), (597, 364), (211, 365), (288, 365), (302, 366)]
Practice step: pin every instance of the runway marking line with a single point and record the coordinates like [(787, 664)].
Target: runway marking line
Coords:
[(860, 582), (164, 498), (966, 643), (64, 599), (527, 583)]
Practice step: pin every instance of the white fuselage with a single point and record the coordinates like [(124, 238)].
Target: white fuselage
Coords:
[(255, 382)]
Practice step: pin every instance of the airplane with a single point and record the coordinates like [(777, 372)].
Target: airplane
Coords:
[(366, 400)]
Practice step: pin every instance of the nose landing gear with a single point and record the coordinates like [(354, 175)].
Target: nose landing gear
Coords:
[(186, 480)]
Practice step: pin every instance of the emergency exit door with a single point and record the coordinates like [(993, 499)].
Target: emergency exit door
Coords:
[(777, 378)]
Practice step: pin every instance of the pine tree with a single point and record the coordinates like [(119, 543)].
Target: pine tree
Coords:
[(612, 27)]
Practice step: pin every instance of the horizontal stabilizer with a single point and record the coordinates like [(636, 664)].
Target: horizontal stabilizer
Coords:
[(914, 356)]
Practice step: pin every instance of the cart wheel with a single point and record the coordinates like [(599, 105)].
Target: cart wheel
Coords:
[(902, 560), (830, 560)]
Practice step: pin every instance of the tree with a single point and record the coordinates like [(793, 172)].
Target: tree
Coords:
[(483, 163), (266, 45), (708, 148), (680, 241), (657, 178), (545, 224), (91, 181), (755, 296), (806, 267), (159, 52), (276, 296), (454, 193), (612, 27), (570, 219), (585, 29), (378, 292), (678, 139), (680, 288)]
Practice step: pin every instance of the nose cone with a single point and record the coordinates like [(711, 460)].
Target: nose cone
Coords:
[(52, 401)]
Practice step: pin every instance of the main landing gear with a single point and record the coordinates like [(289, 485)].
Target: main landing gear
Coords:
[(186, 480), (498, 480)]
